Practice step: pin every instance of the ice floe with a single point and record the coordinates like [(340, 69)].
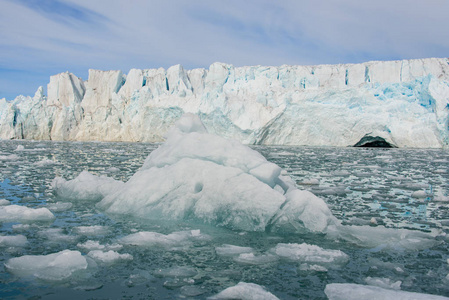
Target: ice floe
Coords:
[(18, 213), (13, 241), (109, 257), (245, 291), (52, 267)]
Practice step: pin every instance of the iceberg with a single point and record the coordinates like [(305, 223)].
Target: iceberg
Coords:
[(199, 176), (393, 103)]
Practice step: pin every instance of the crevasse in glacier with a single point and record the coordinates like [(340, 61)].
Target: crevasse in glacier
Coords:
[(404, 103)]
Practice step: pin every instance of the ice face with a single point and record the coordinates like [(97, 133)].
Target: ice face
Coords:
[(348, 291), (402, 102), (52, 267)]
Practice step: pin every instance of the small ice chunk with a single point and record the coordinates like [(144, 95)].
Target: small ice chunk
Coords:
[(53, 267), (315, 268), (13, 241), (246, 291), (95, 245), (154, 239), (385, 283), (85, 187), (4, 202), (21, 227), (385, 238), (109, 257), (350, 291), (18, 213), (419, 194), (252, 259), (231, 250), (20, 148), (310, 254), (309, 182), (44, 162), (91, 230), (57, 235), (9, 157), (179, 272), (59, 206)]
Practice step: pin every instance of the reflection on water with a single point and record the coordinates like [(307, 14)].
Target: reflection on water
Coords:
[(397, 188)]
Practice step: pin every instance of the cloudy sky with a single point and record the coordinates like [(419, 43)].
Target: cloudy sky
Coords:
[(40, 38)]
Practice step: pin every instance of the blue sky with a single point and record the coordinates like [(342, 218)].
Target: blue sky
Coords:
[(40, 38)]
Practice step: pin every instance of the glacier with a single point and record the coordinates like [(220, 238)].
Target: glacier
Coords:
[(402, 103)]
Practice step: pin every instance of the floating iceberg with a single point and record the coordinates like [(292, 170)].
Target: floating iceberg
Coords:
[(85, 187), (349, 291), (17, 213), (200, 176), (52, 267)]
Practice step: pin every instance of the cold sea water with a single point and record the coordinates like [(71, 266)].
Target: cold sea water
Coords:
[(395, 188)]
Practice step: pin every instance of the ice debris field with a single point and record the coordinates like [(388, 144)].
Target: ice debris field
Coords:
[(401, 103), (201, 216)]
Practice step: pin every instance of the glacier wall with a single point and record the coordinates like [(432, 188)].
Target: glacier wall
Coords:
[(406, 103)]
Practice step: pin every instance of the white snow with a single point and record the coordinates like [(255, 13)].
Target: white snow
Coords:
[(403, 102), (52, 267), (245, 291), (17, 213), (349, 291)]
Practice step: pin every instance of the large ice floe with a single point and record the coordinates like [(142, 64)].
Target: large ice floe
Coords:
[(205, 178)]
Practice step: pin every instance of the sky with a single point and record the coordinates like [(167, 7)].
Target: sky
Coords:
[(40, 38)]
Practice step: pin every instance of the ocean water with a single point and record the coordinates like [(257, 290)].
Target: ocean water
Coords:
[(395, 188)]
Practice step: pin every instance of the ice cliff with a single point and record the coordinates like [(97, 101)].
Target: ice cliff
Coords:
[(404, 103)]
